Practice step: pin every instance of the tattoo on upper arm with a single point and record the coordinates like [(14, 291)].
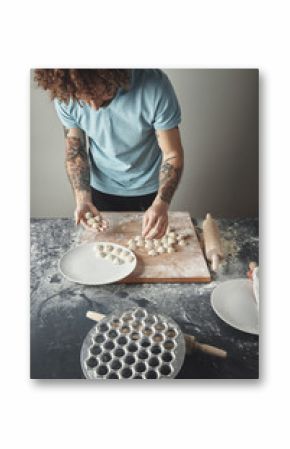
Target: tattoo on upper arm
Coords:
[(169, 180), (77, 164)]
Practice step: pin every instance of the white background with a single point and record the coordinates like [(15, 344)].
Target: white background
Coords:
[(207, 414)]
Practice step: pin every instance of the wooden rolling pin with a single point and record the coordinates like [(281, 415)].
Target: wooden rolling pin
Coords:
[(212, 242), (190, 340), (193, 345)]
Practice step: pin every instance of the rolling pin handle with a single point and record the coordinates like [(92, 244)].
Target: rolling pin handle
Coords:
[(211, 350), (193, 344), (215, 262), (95, 316)]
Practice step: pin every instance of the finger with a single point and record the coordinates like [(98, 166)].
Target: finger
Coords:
[(161, 229), (77, 217), (144, 223), (152, 219), (157, 229), (84, 224), (94, 210)]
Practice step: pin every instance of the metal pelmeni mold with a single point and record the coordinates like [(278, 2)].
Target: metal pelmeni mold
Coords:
[(133, 344)]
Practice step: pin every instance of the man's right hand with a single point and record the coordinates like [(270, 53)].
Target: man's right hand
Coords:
[(84, 204), (82, 209)]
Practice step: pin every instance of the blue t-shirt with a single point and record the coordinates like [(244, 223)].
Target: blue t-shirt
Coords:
[(125, 157)]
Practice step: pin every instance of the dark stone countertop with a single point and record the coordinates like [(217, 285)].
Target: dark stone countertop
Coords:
[(58, 307)]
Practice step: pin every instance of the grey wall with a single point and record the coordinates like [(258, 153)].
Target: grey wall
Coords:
[(220, 138)]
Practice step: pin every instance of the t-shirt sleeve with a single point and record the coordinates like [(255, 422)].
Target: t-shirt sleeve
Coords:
[(63, 112), (167, 109)]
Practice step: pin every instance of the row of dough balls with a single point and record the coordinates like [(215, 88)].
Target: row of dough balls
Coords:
[(166, 244), (116, 255), (97, 222)]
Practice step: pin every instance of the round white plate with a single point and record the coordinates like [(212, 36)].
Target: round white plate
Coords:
[(82, 265), (234, 302)]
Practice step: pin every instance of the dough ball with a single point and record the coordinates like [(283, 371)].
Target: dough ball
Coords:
[(128, 257), (132, 245), (149, 244), (109, 248), (170, 241), (88, 215), (182, 242), (152, 252), (179, 237), (95, 226), (118, 261), (140, 241), (90, 221), (156, 243), (98, 218), (172, 234), (161, 249), (125, 254), (170, 250)]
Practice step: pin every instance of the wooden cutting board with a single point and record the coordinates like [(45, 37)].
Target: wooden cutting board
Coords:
[(186, 265)]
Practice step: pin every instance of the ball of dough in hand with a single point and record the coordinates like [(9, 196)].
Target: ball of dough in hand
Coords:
[(90, 221), (88, 215)]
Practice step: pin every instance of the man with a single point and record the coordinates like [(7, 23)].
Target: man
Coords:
[(130, 119)]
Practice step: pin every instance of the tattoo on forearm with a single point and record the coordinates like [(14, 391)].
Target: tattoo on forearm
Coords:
[(76, 160), (172, 157), (168, 180)]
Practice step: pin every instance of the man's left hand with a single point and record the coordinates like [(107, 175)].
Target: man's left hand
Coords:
[(155, 220)]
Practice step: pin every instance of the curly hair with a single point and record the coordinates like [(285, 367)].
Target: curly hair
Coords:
[(66, 84)]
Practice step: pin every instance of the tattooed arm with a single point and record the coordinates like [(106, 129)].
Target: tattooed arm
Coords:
[(78, 170), (155, 219)]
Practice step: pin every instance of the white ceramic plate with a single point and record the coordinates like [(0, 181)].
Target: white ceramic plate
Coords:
[(234, 302), (81, 265)]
